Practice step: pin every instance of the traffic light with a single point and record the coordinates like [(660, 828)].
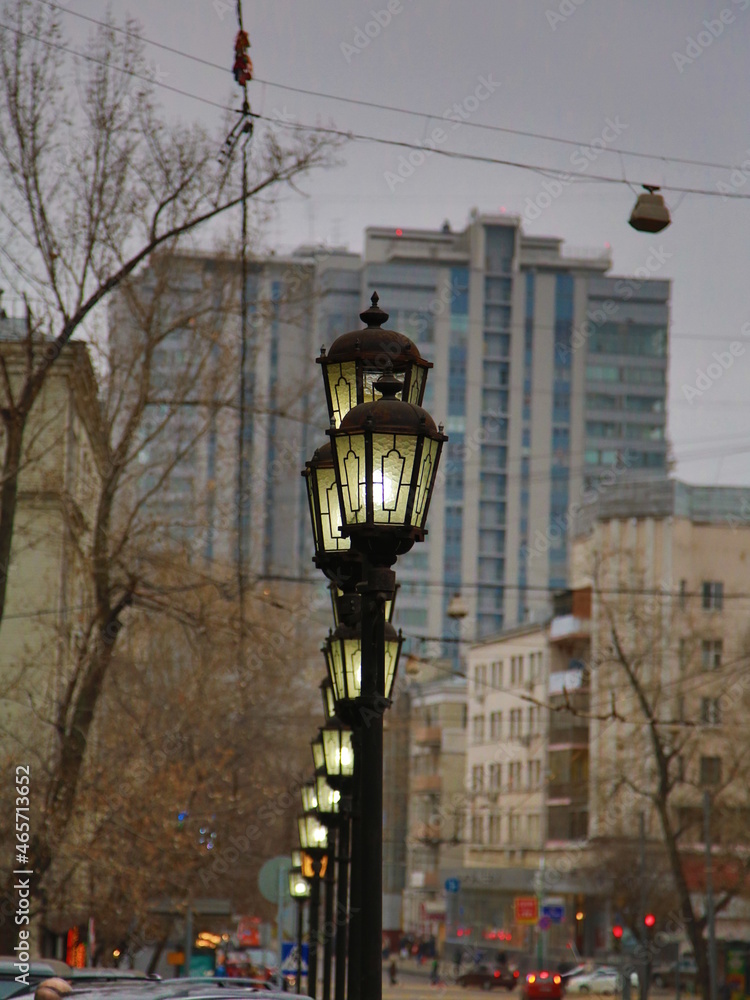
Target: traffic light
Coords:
[(617, 932), (649, 920)]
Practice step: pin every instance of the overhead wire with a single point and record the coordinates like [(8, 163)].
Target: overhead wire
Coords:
[(525, 133), (379, 140)]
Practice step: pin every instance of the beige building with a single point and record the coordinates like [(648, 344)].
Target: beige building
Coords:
[(437, 795), (49, 598), (670, 651)]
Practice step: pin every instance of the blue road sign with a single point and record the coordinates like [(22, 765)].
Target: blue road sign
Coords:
[(555, 913), (452, 885), (289, 957)]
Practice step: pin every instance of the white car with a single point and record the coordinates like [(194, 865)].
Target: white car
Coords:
[(604, 981)]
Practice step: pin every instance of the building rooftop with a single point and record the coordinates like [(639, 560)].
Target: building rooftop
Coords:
[(660, 498)]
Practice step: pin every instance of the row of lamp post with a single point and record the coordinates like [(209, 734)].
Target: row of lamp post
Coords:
[(369, 489)]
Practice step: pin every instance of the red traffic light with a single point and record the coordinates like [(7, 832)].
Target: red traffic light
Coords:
[(649, 920), (617, 932)]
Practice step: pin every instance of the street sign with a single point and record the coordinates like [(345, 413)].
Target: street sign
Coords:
[(452, 885), (526, 909), (273, 878), (544, 923), (289, 957), (555, 913)]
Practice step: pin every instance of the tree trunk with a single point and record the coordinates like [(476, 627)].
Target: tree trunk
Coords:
[(14, 428)]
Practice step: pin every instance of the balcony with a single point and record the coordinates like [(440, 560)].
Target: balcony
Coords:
[(570, 735), (428, 736), (427, 783), (564, 628)]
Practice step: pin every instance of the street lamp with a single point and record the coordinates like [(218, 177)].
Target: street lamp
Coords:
[(329, 702), (333, 553), (338, 750), (343, 655), (355, 361), (299, 890), (313, 838), (386, 456)]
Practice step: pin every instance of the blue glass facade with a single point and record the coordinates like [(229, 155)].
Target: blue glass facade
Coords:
[(493, 476), (560, 443), (453, 454)]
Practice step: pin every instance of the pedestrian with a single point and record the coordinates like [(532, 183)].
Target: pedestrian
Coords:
[(393, 972), (434, 975)]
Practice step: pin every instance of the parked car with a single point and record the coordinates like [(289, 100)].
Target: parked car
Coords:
[(542, 985), (502, 976), (666, 975), (604, 980), (39, 970)]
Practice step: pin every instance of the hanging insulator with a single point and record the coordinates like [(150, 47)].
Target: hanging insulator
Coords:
[(650, 214)]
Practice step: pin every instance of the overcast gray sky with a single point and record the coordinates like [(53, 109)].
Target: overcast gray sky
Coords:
[(668, 79)]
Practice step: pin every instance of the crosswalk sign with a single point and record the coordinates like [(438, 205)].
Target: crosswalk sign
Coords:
[(289, 957)]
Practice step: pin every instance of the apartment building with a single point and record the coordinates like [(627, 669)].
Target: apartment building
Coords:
[(669, 656), (548, 373), (437, 800), (50, 592)]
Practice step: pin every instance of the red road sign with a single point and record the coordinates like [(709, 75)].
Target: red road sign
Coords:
[(526, 909)]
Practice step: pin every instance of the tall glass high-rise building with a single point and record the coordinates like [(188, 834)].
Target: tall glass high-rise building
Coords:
[(550, 377)]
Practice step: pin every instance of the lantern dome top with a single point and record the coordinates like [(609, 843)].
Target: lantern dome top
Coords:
[(391, 416), (374, 345)]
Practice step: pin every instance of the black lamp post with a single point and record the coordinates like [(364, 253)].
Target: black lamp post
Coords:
[(313, 838), (299, 890), (328, 813), (338, 752), (386, 456), (384, 452)]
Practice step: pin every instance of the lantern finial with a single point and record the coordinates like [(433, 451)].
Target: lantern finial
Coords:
[(374, 317)]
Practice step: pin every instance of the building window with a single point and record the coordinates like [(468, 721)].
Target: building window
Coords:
[(495, 829), (477, 831), (477, 778), (477, 729), (713, 595), (513, 828), (516, 670), (496, 773), (533, 715), (711, 654), (532, 826), (535, 773), (710, 712), (515, 723), (710, 770), (496, 725), (683, 594), (497, 674), (514, 776)]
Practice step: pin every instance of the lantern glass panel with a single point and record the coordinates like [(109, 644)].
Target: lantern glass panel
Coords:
[(330, 701), (416, 385), (331, 538), (339, 753), (392, 467), (319, 757), (425, 480), (309, 798), (312, 833), (296, 859), (299, 887), (313, 516), (346, 659), (328, 798), (342, 385)]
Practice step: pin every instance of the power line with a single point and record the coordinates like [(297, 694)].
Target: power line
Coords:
[(389, 107), (553, 172)]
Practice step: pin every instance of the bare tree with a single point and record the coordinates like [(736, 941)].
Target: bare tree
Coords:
[(679, 732), (94, 182)]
